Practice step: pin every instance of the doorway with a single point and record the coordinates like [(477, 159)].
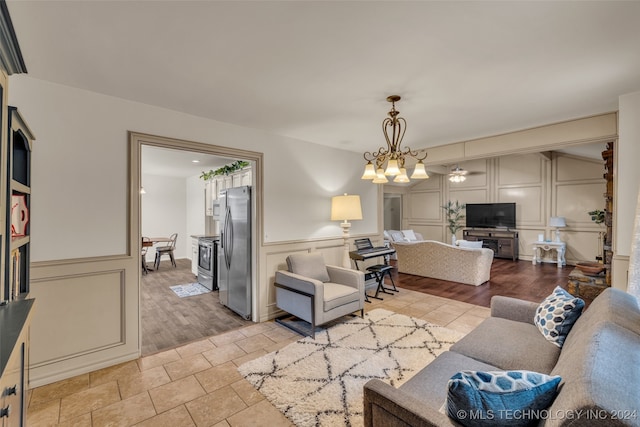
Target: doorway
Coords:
[(392, 211), (156, 297)]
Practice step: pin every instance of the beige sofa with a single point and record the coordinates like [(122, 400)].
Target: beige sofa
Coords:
[(471, 266), (598, 364)]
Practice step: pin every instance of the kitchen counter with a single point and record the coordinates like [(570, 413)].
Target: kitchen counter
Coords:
[(206, 236)]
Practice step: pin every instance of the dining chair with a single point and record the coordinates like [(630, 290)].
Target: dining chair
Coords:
[(146, 243), (166, 250)]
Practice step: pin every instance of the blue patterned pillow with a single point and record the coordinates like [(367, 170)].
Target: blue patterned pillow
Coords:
[(501, 398), (556, 315)]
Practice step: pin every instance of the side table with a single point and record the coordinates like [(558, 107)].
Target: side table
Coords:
[(559, 247)]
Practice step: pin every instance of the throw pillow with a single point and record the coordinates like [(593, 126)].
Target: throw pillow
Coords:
[(499, 398), (556, 315), (397, 236), (409, 235)]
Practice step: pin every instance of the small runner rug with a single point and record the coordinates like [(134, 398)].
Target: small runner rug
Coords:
[(189, 290), (320, 382)]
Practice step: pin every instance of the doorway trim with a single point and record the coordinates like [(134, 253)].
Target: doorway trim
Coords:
[(137, 140)]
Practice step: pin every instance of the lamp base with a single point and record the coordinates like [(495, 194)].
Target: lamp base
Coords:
[(346, 261), (558, 235)]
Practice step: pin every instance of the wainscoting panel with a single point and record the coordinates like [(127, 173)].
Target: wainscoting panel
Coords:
[(577, 169), (529, 204), (85, 318), (581, 246), (573, 201), (469, 196), (101, 311), (520, 170), (425, 206)]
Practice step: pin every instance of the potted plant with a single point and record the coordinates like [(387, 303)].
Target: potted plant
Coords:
[(224, 170), (453, 211)]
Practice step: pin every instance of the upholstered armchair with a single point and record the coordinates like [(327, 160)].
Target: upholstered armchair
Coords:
[(317, 293)]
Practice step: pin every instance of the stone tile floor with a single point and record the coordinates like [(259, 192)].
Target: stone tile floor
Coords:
[(198, 384)]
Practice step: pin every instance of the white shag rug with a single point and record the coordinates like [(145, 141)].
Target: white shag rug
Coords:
[(320, 382)]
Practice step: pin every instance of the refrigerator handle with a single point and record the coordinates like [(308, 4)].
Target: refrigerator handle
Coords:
[(229, 236)]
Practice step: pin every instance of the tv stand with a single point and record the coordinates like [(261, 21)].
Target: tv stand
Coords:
[(503, 242)]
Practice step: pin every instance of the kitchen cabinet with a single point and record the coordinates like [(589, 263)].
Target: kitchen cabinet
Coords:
[(209, 197), (194, 255), (215, 185)]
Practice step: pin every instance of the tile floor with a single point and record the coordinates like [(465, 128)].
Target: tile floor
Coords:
[(198, 384)]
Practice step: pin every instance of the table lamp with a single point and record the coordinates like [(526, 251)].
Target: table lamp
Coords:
[(557, 222), (345, 208)]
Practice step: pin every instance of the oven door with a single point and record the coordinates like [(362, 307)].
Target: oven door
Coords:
[(205, 259)]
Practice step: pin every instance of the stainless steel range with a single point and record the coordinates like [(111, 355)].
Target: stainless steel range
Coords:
[(207, 262)]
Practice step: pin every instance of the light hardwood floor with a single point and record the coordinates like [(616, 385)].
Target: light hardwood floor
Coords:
[(169, 321)]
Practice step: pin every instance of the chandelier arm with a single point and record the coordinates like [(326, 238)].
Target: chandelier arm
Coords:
[(401, 127)]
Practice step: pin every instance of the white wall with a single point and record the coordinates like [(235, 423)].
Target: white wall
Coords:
[(164, 212), (80, 170)]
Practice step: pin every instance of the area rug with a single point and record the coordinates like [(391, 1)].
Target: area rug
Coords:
[(189, 290), (320, 382)]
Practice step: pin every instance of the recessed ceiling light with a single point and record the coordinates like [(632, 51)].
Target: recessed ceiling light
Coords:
[(195, 161)]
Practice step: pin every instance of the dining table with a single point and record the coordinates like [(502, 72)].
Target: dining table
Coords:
[(148, 242)]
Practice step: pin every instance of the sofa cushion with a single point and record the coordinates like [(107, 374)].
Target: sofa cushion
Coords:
[(600, 377), (397, 236), (557, 314), (481, 398), (336, 295), (430, 384), (509, 345), (308, 265)]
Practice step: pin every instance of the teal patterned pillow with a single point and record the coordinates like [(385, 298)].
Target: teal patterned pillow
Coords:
[(556, 315), (500, 398)]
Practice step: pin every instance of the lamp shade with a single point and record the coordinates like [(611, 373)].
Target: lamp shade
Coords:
[(419, 172), (557, 221), (345, 208)]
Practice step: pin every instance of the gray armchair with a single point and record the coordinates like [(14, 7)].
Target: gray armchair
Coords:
[(317, 293)]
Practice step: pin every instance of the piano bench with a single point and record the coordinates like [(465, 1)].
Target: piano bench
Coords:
[(379, 270)]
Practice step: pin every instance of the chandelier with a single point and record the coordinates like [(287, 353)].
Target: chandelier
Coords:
[(457, 174), (393, 128)]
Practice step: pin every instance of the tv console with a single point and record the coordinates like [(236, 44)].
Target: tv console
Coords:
[(503, 242)]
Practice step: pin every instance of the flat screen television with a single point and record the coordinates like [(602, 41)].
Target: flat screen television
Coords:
[(491, 215)]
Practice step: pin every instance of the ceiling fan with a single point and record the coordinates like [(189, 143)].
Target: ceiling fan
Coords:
[(458, 174)]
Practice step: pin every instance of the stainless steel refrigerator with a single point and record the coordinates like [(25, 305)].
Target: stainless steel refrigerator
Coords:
[(234, 254)]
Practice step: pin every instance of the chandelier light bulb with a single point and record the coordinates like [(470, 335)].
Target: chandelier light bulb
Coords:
[(369, 171), (402, 176), (392, 168), (380, 178), (419, 172)]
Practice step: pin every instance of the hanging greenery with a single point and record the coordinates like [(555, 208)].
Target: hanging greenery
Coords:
[(224, 170), (597, 216), (453, 210)]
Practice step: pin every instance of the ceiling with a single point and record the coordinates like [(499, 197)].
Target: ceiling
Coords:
[(320, 71), (179, 163)]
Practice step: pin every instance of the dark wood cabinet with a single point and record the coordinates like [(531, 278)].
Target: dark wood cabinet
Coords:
[(503, 243)]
